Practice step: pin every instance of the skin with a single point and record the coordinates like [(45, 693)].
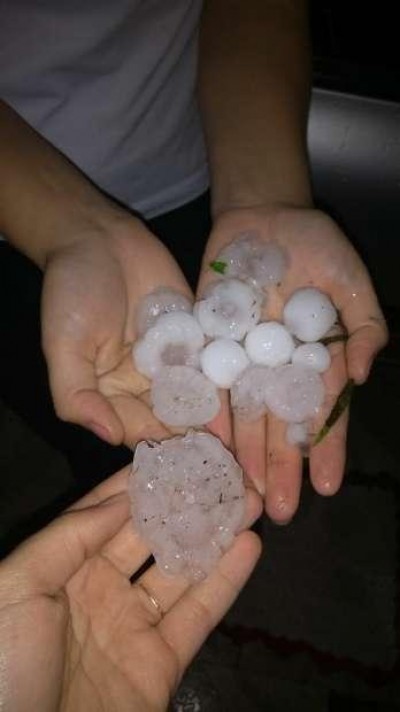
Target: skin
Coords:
[(77, 635), (254, 85)]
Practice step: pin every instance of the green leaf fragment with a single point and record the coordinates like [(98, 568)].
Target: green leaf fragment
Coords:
[(343, 401), (332, 339), (219, 267)]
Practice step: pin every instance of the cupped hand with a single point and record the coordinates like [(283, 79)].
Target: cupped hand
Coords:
[(77, 636), (319, 255), (91, 291)]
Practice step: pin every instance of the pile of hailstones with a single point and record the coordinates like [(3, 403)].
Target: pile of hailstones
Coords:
[(189, 352)]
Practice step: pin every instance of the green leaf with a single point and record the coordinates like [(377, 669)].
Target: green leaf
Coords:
[(219, 267), (343, 401), (332, 339)]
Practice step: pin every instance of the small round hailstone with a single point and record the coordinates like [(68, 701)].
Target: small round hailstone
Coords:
[(269, 344), (295, 393), (162, 301), (174, 340), (297, 434), (251, 259), (309, 314), (182, 396), (222, 361), (229, 309), (248, 393), (187, 501), (314, 355)]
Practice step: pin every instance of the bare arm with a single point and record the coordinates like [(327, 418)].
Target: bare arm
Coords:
[(254, 91)]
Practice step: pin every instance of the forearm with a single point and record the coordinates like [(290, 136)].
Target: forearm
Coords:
[(254, 94), (45, 201)]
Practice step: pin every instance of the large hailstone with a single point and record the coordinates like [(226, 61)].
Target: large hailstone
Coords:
[(269, 344), (182, 396), (296, 393), (174, 340), (162, 301), (222, 361), (248, 393), (229, 309), (187, 497), (309, 314), (251, 259)]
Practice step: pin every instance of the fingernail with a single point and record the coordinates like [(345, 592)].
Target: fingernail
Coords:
[(101, 431)]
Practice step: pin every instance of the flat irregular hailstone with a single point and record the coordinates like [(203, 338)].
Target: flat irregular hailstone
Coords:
[(222, 361), (314, 355), (269, 344), (309, 314), (187, 498), (248, 393), (251, 259), (296, 393), (182, 396), (174, 340), (229, 309), (162, 301)]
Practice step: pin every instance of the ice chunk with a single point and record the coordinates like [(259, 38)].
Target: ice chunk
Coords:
[(222, 361), (162, 301), (229, 309), (309, 314), (251, 259), (248, 393), (314, 355), (174, 340), (182, 396), (269, 344), (297, 434), (187, 497), (295, 394)]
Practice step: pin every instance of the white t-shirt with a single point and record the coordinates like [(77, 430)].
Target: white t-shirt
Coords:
[(111, 84)]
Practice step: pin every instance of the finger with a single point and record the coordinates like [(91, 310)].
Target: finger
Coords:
[(138, 421), (284, 472), (186, 626), (221, 425), (366, 325), (327, 459), (74, 387), (50, 558), (113, 485), (250, 449)]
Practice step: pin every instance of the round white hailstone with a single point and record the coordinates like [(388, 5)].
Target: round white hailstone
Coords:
[(309, 314), (269, 344), (297, 434), (251, 259), (187, 501), (222, 361), (182, 396), (174, 340), (248, 393), (314, 355), (295, 394), (162, 301), (229, 309)]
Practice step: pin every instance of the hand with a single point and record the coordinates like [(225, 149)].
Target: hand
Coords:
[(76, 635), (92, 287), (321, 256)]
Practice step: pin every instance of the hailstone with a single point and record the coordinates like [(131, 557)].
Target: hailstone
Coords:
[(222, 361), (309, 314), (251, 259), (229, 309), (314, 354), (269, 344), (162, 301), (187, 500), (183, 396), (295, 394)]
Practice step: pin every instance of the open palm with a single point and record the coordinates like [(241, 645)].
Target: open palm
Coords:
[(321, 256), (76, 635), (90, 295)]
